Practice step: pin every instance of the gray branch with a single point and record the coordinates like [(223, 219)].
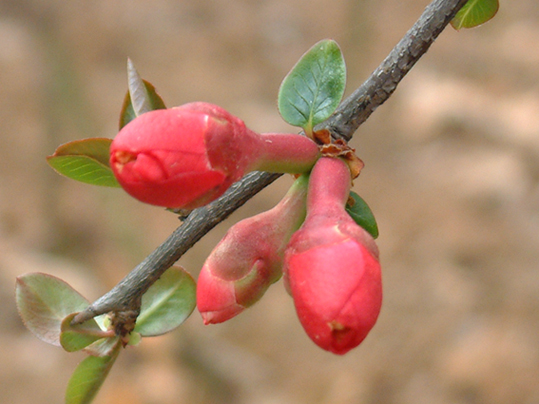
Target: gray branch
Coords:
[(355, 110)]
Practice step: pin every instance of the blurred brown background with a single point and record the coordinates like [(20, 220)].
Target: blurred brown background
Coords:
[(452, 174)]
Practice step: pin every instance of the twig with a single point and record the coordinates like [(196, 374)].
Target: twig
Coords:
[(384, 80), (126, 295)]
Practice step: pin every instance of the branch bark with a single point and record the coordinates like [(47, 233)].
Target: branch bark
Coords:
[(384, 80), (126, 295)]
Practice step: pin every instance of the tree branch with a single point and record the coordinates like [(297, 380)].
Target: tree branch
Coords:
[(126, 295), (384, 80)]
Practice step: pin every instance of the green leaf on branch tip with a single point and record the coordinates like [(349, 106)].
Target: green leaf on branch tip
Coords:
[(167, 303), (362, 214), (85, 160), (474, 13), (76, 337), (44, 301), (89, 376), (312, 90), (141, 97)]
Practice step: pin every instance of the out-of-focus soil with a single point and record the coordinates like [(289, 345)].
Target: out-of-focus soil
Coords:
[(452, 171)]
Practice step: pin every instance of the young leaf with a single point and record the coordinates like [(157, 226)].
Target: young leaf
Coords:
[(362, 214), (474, 13), (102, 347), (134, 338), (314, 87), (88, 377), (76, 337), (141, 97), (43, 302), (167, 303), (85, 160)]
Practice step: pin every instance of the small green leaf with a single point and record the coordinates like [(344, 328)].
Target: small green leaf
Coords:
[(143, 94), (474, 13), (312, 90), (127, 114), (85, 160), (84, 169), (76, 337), (102, 347), (167, 303), (362, 214), (98, 148), (89, 376), (134, 338), (140, 99), (44, 301)]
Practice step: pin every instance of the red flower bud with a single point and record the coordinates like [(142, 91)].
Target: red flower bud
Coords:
[(187, 156), (249, 258), (331, 265)]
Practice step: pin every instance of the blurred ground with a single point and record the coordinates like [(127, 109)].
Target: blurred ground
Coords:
[(452, 174)]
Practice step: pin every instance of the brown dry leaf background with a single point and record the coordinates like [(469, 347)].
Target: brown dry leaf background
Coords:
[(452, 174)]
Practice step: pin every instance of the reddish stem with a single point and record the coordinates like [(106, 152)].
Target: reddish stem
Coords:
[(289, 153), (329, 186)]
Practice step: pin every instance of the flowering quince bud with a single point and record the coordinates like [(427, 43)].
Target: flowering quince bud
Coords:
[(187, 156), (331, 265), (249, 258)]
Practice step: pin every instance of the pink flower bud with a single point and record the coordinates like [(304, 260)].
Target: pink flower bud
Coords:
[(249, 258), (331, 265), (187, 156)]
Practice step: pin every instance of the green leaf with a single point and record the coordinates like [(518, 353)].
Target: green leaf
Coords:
[(134, 338), (102, 347), (89, 376), (44, 301), (127, 114), (474, 13), (76, 337), (312, 90), (167, 303), (142, 92), (362, 214), (140, 99), (85, 160)]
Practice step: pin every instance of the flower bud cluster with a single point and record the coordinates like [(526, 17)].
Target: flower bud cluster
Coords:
[(187, 156)]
